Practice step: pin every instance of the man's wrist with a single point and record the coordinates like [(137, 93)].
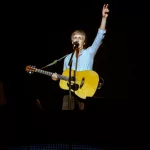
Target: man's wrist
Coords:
[(104, 18)]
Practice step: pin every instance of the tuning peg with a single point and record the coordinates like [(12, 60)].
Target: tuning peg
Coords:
[(33, 66), (30, 69)]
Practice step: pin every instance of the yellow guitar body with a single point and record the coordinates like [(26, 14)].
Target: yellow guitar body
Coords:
[(87, 79)]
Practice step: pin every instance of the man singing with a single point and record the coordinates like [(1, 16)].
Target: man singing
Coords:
[(84, 56)]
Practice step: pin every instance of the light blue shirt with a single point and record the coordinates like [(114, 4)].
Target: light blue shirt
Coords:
[(86, 57)]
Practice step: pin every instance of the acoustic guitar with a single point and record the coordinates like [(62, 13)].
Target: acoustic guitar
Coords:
[(83, 83)]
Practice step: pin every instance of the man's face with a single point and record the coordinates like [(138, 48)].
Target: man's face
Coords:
[(80, 38)]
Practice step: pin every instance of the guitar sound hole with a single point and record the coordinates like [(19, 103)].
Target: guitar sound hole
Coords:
[(74, 87)]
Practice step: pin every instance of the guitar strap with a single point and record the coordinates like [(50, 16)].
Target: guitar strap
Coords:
[(54, 62)]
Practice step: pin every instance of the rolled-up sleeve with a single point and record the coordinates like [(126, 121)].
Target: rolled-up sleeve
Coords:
[(97, 42)]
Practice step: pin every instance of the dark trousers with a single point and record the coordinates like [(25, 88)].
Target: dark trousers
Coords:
[(76, 103)]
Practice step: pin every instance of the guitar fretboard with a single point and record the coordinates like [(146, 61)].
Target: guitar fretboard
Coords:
[(44, 72), (50, 74), (63, 77)]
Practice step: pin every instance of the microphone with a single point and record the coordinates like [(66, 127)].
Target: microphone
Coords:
[(75, 44)]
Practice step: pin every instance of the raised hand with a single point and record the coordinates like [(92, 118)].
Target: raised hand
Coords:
[(105, 11)]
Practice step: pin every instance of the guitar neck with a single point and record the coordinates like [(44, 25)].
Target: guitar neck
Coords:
[(50, 74)]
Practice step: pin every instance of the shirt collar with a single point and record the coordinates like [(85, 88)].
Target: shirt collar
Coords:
[(81, 52)]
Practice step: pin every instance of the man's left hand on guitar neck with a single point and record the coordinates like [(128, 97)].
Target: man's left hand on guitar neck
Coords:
[(54, 77)]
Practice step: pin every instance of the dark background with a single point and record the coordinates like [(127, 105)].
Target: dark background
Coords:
[(36, 34)]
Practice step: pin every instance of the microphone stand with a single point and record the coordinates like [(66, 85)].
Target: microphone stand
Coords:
[(70, 67), (75, 48)]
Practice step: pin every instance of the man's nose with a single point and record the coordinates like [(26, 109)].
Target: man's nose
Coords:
[(77, 41)]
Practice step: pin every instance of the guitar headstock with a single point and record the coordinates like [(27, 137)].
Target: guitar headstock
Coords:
[(30, 69)]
